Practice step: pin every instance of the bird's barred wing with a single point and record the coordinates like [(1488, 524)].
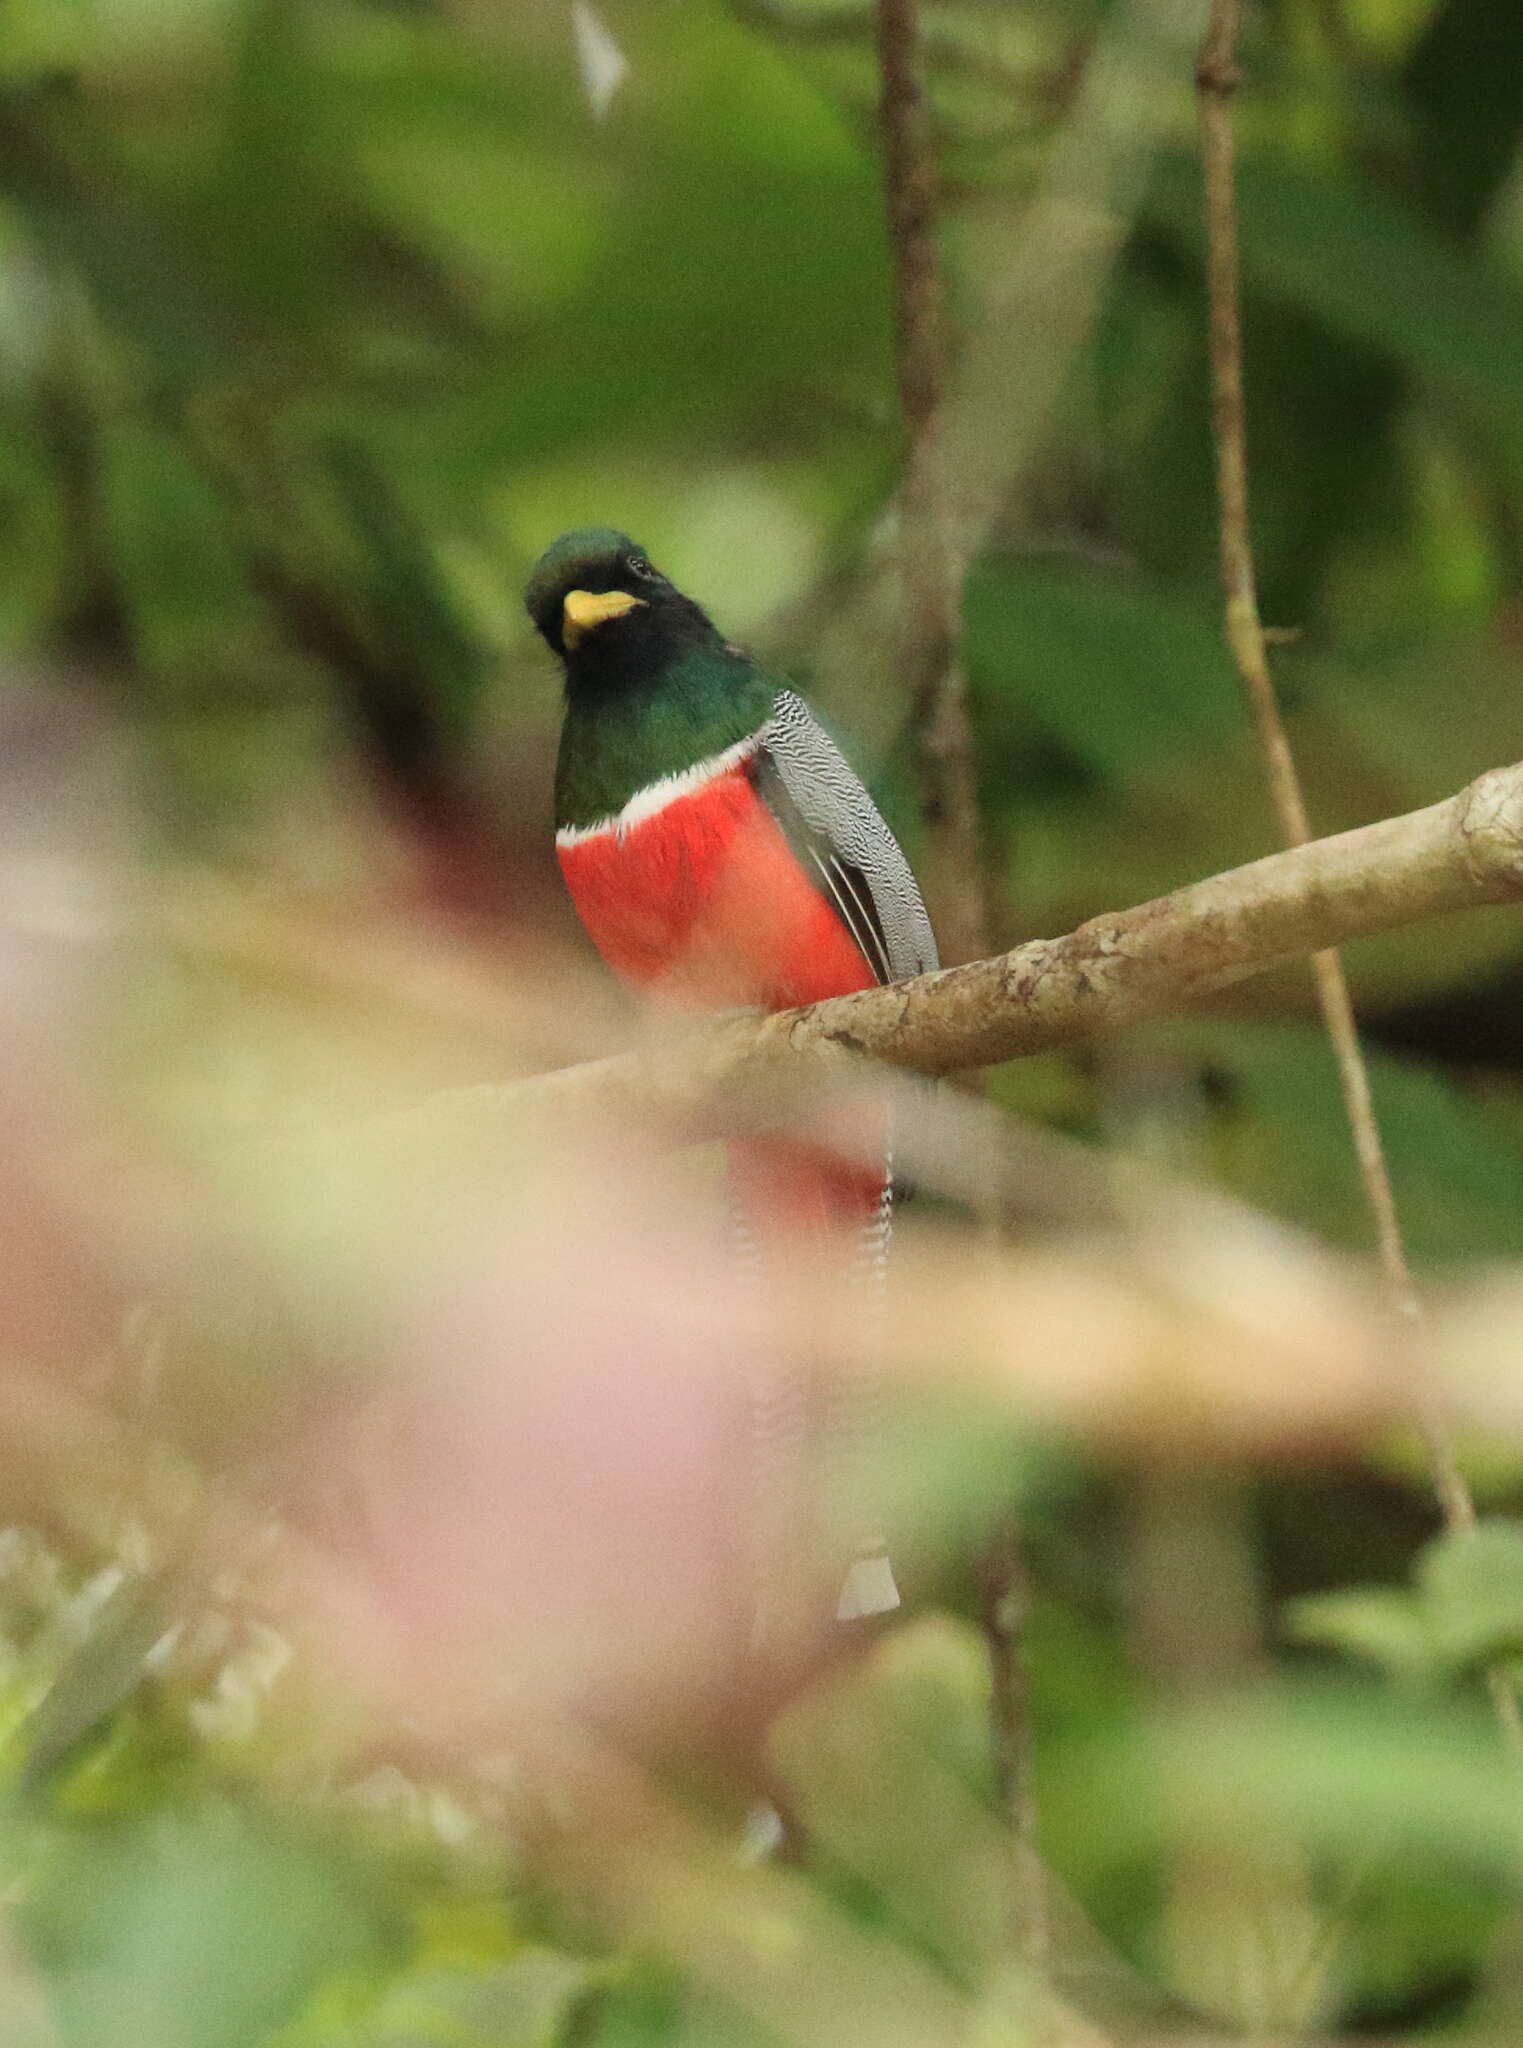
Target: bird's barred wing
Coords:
[(839, 834)]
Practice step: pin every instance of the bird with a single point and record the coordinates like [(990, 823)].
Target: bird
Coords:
[(722, 854)]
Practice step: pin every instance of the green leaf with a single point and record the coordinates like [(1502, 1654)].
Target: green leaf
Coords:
[(1285, 1143), (740, 255), (1470, 1582), (527, 2003), (911, 1717), (197, 1928), (1368, 268), (1342, 1769), (1465, 1608), (176, 566), (1383, 1624), (33, 528), (1121, 671), (1461, 79), (407, 591)]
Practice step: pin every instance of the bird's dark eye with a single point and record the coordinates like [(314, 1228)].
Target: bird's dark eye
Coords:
[(638, 566)]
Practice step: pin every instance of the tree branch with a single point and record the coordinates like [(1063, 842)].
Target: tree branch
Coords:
[(1112, 972)]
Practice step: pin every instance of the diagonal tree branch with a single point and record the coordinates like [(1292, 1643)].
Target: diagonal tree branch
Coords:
[(1113, 972)]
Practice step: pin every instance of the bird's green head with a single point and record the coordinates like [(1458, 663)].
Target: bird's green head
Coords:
[(611, 616)]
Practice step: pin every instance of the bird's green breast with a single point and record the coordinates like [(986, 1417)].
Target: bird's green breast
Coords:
[(613, 746)]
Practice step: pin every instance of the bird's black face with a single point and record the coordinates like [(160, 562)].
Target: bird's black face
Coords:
[(612, 617)]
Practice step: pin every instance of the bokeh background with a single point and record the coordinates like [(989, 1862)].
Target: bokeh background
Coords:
[(367, 1471)]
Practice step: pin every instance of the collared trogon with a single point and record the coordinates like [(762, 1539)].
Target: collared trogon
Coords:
[(720, 851)]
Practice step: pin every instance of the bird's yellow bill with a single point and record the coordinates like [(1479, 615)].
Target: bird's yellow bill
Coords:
[(585, 609)]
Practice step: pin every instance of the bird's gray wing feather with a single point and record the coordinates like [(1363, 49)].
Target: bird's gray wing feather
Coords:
[(841, 837)]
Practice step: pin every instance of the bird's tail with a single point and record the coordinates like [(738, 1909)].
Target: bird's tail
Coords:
[(814, 1434)]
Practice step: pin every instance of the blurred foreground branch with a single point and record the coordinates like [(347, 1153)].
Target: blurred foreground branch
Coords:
[(1110, 973)]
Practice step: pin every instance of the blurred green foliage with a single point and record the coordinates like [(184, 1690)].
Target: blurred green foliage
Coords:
[(317, 319)]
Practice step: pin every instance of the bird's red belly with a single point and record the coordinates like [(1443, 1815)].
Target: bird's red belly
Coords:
[(707, 901)]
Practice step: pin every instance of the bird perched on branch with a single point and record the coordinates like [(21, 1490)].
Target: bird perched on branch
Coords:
[(720, 851)]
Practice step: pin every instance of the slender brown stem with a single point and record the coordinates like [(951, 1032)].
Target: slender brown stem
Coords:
[(1217, 78)]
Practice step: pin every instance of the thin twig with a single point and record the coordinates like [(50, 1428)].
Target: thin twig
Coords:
[(1217, 77)]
